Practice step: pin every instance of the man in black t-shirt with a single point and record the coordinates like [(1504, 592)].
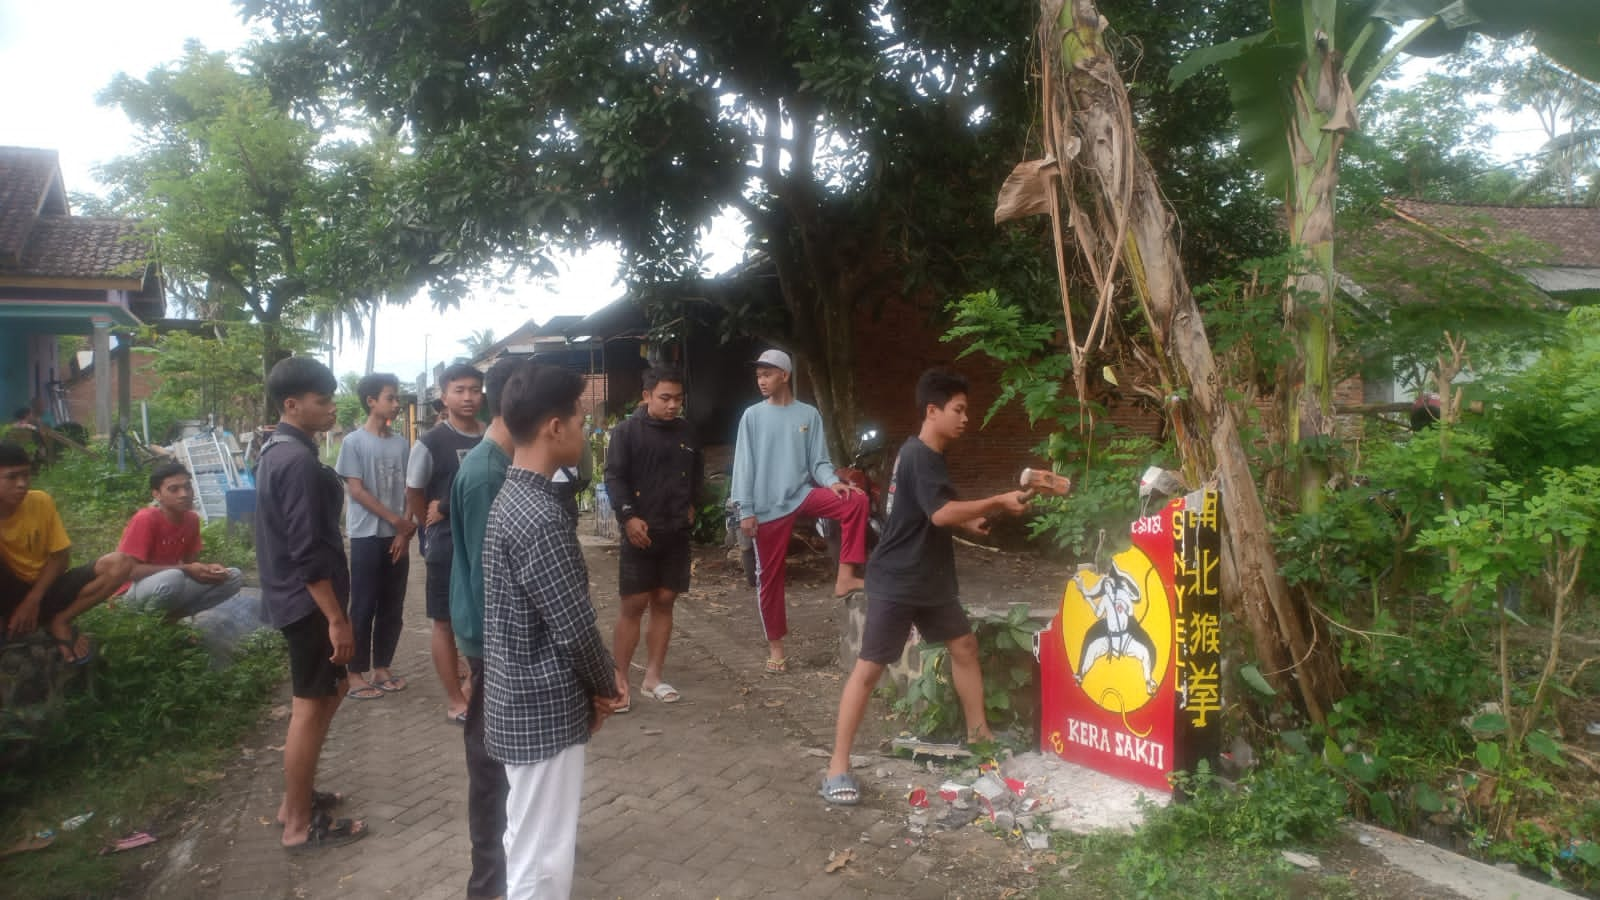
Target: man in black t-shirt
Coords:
[(911, 578), (432, 470)]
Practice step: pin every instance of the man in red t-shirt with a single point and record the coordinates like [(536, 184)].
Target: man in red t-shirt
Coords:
[(164, 541)]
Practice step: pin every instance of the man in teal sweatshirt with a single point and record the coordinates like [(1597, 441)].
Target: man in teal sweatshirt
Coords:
[(477, 483), (781, 470)]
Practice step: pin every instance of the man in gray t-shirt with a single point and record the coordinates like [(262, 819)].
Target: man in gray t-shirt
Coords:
[(372, 462)]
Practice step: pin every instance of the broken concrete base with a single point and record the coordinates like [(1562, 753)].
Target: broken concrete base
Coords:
[(1081, 800)]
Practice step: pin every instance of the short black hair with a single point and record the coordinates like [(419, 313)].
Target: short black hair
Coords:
[(535, 394), (296, 376), (657, 374), (494, 384), (938, 386), (167, 470), (370, 386), (12, 455), (22, 413), (457, 372)]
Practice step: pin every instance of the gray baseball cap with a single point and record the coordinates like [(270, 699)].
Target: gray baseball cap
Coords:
[(777, 359)]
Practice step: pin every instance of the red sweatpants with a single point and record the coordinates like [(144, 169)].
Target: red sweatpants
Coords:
[(772, 549)]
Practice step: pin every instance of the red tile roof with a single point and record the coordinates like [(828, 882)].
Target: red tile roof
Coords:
[(26, 176), (40, 239), (1570, 234), (84, 248)]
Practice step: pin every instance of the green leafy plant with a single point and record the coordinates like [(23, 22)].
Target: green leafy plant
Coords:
[(1104, 464), (1010, 681)]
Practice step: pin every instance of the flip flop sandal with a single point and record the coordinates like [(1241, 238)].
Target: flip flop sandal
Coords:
[(70, 645), (459, 718), (369, 691), (664, 692), (777, 666), (327, 832), (841, 790), (394, 684)]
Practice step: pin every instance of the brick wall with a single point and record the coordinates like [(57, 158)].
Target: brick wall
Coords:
[(894, 347), (143, 382)]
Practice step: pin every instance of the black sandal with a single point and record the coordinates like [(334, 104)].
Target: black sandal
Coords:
[(327, 832)]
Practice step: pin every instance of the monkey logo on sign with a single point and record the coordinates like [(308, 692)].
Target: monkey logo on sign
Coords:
[(1120, 657)]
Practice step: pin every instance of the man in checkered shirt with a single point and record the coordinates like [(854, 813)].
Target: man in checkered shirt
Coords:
[(549, 680)]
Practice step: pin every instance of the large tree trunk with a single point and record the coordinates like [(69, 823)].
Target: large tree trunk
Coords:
[(1099, 155), (271, 352), (1324, 111)]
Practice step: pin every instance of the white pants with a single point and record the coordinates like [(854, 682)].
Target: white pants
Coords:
[(542, 826)]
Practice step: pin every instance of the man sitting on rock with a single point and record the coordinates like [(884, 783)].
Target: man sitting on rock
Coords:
[(164, 542), (38, 586)]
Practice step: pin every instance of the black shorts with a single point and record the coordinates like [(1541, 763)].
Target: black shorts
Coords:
[(57, 597), (663, 565), (889, 626), (311, 668), (438, 592)]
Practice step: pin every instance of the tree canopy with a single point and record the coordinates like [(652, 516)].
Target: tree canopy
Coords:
[(256, 216), (861, 142)]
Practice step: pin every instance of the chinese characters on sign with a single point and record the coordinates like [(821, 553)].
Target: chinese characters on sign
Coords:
[(1131, 665)]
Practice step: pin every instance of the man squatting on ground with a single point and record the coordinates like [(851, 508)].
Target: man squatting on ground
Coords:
[(39, 588), (432, 469), (305, 589), (653, 478), (372, 462), (911, 579), (781, 470), (548, 680), (482, 473), (164, 542)]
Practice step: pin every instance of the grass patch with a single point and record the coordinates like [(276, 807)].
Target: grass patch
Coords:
[(152, 724), (1224, 841)]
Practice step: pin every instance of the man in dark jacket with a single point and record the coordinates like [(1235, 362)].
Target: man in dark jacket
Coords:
[(653, 477)]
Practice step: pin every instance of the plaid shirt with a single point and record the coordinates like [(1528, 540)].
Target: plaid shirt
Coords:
[(544, 659)]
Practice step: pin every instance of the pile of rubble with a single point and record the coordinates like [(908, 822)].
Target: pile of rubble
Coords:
[(1025, 796)]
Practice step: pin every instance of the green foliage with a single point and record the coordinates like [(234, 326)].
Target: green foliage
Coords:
[(259, 219), (1284, 801), (711, 516), (352, 411), (1010, 681), (1220, 841), (1548, 414), (1104, 466), (94, 498), (157, 723), (217, 373), (1427, 141), (235, 550), (1516, 533)]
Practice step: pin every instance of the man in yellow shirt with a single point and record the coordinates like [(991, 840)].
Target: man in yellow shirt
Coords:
[(38, 587)]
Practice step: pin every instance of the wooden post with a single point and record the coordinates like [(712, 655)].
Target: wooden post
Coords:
[(125, 382), (102, 377)]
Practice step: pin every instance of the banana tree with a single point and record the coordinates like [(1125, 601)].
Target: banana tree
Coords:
[(1296, 90)]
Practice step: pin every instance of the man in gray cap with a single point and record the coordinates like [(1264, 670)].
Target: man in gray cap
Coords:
[(781, 470)]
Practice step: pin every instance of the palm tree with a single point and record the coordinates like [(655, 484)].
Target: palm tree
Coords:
[(478, 343)]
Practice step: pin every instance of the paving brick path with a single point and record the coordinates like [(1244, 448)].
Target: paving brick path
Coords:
[(710, 797)]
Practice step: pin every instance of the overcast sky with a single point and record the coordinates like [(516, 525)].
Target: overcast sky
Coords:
[(55, 55)]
